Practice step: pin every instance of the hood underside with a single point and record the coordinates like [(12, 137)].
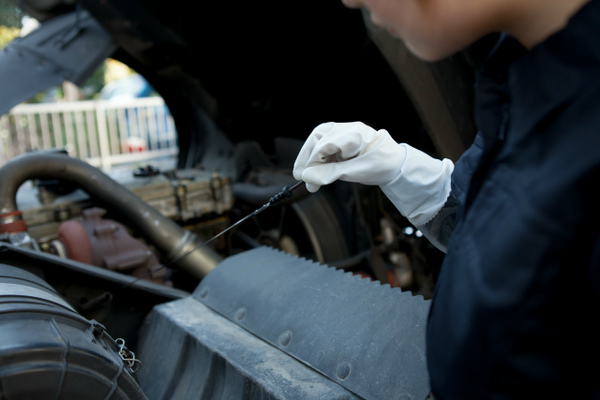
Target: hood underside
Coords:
[(256, 71)]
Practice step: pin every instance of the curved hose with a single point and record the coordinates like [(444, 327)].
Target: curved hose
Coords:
[(164, 233)]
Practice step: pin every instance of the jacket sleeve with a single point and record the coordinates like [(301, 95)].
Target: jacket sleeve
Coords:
[(439, 229)]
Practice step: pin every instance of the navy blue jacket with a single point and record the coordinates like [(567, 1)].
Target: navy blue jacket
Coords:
[(516, 307)]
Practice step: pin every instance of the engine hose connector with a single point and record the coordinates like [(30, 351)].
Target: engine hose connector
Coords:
[(11, 222)]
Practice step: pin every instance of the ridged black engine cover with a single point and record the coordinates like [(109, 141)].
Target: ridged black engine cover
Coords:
[(267, 325)]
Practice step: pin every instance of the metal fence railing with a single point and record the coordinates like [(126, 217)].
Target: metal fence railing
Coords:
[(103, 133)]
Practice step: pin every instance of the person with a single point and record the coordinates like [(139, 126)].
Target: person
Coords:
[(512, 313)]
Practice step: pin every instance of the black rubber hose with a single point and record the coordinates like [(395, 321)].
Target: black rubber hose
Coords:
[(172, 240)]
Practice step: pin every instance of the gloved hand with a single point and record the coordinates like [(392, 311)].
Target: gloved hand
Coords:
[(417, 184)]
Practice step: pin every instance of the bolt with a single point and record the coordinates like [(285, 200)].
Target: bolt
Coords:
[(240, 314), (203, 292), (343, 370), (285, 338)]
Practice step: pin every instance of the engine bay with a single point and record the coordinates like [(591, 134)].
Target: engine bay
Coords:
[(74, 272), (111, 285)]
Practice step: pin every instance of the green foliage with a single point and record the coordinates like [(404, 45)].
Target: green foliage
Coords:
[(10, 15), (10, 22), (92, 86), (7, 34)]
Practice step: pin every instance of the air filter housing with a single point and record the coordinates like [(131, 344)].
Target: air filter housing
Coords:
[(49, 351)]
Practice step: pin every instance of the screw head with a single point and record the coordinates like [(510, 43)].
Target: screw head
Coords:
[(240, 314), (343, 370), (203, 292), (285, 338)]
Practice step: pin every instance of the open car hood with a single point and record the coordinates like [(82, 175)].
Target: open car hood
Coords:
[(250, 71)]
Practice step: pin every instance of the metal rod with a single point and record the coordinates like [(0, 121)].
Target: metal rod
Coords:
[(285, 193)]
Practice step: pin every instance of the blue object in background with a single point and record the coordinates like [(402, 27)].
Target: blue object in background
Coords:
[(134, 86), (129, 88)]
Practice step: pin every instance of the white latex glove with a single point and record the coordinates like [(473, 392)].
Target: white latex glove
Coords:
[(417, 184)]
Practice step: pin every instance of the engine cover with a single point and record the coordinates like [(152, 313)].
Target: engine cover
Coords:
[(265, 324)]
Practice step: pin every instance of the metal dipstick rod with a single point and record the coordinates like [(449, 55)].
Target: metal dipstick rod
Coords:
[(285, 193)]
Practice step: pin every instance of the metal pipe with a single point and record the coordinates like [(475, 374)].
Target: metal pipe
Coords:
[(165, 234)]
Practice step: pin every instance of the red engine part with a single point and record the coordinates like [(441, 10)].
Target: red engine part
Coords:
[(12, 222), (106, 243)]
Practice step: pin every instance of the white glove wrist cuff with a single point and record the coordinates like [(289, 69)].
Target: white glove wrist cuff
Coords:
[(421, 188)]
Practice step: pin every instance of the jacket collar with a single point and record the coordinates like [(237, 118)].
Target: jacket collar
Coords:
[(552, 73)]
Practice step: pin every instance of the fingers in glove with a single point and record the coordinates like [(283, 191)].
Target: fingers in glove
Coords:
[(353, 152), (365, 169), (333, 142), (308, 147)]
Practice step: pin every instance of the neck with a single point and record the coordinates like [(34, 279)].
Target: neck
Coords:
[(535, 21)]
